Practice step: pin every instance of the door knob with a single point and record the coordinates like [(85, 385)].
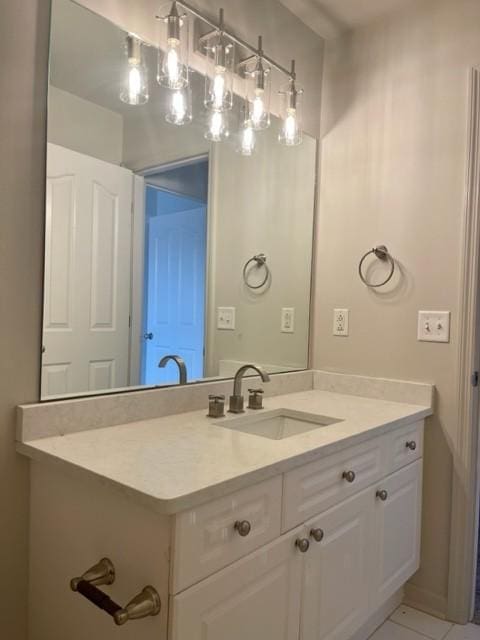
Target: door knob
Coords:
[(382, 495), (302, 544), (243, 527), (412, 445), (317, 534), (148, 336), (349, 476)]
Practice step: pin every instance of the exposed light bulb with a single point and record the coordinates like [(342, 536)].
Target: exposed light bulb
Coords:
[(217, 127), (219, 88), (172, 63), (135, 88), (247, 141), (258, 109), (134, 84), (290, 127), (179, 107)]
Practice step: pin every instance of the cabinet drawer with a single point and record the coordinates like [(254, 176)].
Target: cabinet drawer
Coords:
[(405, 445), (206, 540), (311, 489)]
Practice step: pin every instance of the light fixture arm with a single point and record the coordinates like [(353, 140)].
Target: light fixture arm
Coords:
[(220, 27)]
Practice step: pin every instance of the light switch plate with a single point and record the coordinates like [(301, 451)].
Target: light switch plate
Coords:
[(340, 322), (226, 318), (288, 320), (433, 326)]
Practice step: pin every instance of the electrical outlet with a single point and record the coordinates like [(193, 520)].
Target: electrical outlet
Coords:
[(340, 322), (226, 318), (288, 320), (433, 326)]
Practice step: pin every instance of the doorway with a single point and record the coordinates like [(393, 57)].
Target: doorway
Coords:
[(175, 271)]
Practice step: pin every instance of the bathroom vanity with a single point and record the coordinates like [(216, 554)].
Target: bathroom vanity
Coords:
[(243, 535)]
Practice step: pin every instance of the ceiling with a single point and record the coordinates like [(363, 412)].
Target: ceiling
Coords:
[(329, 18)]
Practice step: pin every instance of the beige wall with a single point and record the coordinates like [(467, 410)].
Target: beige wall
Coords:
[(23, 48), (84, 126), (394, 123)]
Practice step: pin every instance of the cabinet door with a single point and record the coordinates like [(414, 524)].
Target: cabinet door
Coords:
[(257, 598), (336, 583), (398, 522)]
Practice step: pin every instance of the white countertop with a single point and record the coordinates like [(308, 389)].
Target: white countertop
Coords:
[(176, 462)]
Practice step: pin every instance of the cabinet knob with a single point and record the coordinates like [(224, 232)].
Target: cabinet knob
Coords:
[(412, 445), (349, 476), (302, 544), (382, 495), (243, 527), (317, 534)]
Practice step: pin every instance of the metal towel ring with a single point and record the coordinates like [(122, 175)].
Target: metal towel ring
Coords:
[(261, 261), (380, 252)]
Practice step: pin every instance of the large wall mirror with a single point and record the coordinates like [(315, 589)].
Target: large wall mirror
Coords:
[(159, 241)]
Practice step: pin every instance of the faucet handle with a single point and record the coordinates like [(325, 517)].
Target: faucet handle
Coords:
[(216, 406), (255, 399)]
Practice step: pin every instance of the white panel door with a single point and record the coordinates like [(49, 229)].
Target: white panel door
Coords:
[(398, 525), (257, 598), (336, 584), (87, 274)]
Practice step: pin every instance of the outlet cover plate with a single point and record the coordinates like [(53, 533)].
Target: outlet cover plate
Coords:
[(226, 318), (340, 322), (288, 320), (433, 326)]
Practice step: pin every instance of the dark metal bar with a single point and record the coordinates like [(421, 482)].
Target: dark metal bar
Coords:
[(98, 597)]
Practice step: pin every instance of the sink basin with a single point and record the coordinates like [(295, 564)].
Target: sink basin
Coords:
[(277, 424)]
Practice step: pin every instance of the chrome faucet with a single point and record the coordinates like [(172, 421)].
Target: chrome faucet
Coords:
[(236, 400), (180, 362)]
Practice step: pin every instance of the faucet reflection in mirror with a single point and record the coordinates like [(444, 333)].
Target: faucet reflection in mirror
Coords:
[(218, 47)]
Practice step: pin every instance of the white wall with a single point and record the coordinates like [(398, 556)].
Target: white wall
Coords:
[(394, 123), (261, 204), (23, 81), (83, 126)]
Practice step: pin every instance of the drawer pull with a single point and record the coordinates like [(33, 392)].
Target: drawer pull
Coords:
[(243, 527), (302, 544), (317, 534), (382, 495), (349, 476), (412, 445)]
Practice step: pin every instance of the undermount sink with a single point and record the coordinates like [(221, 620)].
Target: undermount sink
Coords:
[(277, 424)]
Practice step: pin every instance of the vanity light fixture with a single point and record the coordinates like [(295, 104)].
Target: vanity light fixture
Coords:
[(135, 87), (291, 131), (257, 76), (179, 106), (220, 53), (173, 64)]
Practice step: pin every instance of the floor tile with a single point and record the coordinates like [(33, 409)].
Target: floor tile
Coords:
[(392, 631), (421, 622), (469, 632)]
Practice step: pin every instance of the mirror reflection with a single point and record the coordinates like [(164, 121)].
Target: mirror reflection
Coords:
[(165, 240)]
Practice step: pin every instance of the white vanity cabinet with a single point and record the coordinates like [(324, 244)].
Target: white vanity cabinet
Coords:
[(310, 554), (360, 552)]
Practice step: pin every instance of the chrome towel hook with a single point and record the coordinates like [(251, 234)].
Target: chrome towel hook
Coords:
[(381, 252), (261, 261)]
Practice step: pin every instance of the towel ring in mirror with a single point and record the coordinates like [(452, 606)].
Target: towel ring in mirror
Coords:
[(260, 261), (381, 252)]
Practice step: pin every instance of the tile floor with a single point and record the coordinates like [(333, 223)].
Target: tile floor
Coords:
[(409, 624)]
